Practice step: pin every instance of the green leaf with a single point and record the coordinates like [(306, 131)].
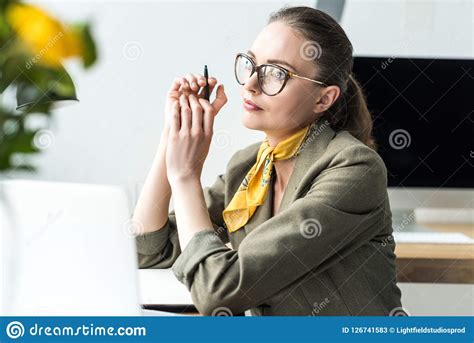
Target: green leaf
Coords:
[(4, 4), (10, 70), (25, 167), (89, 55), (23, 142), (44, 85), (5, 31), (5, 162)]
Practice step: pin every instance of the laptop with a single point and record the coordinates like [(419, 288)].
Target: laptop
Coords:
[(67, 250)]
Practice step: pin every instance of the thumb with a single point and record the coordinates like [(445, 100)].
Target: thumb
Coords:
[(221, 98)]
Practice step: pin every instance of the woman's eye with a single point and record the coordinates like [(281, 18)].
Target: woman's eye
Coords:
[(278, 74)]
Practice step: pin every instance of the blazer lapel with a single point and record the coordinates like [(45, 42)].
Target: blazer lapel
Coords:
[(312, 149), (263, 212)]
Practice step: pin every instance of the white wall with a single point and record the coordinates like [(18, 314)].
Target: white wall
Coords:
[(412, 28)]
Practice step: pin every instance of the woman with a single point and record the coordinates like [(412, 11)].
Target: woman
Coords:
[(299, 224)]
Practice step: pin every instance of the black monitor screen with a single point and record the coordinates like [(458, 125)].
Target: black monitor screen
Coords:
[(423, 118)]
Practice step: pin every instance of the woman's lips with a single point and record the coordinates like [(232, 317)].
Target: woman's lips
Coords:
[(250, 106)]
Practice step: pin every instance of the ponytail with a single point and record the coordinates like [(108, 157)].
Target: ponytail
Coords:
[(350, 113)]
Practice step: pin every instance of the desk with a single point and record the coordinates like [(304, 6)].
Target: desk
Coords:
[(437, 263), (160, 290)]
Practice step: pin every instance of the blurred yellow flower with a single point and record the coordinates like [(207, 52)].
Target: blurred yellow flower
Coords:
[(48, 39)]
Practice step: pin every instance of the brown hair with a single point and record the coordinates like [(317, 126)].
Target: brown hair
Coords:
[(330, 49)]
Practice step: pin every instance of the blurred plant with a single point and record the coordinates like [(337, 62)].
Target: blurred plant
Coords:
[(33, 47)]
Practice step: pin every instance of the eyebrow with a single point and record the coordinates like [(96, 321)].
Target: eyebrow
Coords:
[(275, 61)]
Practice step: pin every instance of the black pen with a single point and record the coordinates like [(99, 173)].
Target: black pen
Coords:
[(206, 89)]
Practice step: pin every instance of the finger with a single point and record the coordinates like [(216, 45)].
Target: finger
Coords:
[(184, 85), (212, 83), (201, 80), (193, 82), (175, 118), (173, 92), (221, 98), (175, 85), (185, 113), (197, 113), (208, 117)]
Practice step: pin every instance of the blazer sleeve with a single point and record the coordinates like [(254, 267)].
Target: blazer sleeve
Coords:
[(340, 212), (159, 249)]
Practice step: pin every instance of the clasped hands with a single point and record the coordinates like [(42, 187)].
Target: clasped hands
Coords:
[(189, 122)]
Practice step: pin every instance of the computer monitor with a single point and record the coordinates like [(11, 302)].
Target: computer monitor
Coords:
[(423, 125)]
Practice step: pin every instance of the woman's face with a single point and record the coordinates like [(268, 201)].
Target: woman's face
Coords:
[(296, 105)]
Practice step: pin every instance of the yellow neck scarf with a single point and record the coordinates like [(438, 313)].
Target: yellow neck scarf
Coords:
[(254, 187)]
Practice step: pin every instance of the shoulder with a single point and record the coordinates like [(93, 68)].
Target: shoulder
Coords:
[(348, 175), (345, 149), (352, 170)]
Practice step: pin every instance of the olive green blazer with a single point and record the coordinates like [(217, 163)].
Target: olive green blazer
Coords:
[(328, 251)]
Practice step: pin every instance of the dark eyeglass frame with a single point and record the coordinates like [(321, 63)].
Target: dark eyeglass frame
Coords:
[(288, 73)]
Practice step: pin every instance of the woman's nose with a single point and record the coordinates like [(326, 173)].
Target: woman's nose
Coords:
[(251, 84)]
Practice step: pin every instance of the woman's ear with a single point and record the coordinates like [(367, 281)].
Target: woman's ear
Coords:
[(327, 97)]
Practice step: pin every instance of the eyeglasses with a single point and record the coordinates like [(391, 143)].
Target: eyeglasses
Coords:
[(271, 78)]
